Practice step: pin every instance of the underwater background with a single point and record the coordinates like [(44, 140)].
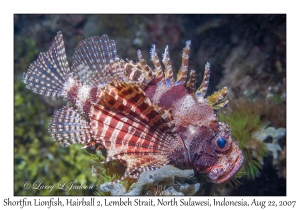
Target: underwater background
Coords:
[(247, 54)]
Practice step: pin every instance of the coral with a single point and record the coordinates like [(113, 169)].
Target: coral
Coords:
[(113, 189), (156, 190), (185, 188), (166, 179), (275, 134)]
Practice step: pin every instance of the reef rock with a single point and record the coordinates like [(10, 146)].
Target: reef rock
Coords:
[(167, 176), (275, 134)]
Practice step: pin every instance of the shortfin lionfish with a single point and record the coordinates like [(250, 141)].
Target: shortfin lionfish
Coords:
[(143, 117)]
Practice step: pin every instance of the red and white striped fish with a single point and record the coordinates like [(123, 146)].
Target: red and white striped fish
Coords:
[(141, 116)]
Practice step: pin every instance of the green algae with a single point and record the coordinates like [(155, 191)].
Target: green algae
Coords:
[(243, 123)]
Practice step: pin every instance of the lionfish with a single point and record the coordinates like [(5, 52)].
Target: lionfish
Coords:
[(139, 115)]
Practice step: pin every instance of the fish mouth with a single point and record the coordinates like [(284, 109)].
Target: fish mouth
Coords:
[(221, 174)]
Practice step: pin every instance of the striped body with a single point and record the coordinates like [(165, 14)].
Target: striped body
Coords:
[(141, 116)]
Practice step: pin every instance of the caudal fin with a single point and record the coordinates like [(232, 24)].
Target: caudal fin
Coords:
[(47, 75)]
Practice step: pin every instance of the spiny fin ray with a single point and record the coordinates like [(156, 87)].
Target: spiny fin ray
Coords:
[(147, 70), (167, 62), (94, 59), (141, 164), (129, 126), (191, 83), (158, 69), (49, 72), (201, 91), (68, 127), (216, 98), (182, 74)]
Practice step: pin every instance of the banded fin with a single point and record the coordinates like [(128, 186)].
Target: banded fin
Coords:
[(201, 91), (145, 67), (191, 84), (134, 73), (47, 75), (67, 127), (182, 74), (169, 71), (158, 70), (142, 163), (216, 98), (163, 90), (95, 60), (130, 127)]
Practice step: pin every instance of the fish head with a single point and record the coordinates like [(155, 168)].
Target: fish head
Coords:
[(212, 151)]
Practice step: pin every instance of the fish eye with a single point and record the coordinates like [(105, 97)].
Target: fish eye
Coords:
[(221, 142)]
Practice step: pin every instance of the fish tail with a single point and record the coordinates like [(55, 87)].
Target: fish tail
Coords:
[(48, 74)]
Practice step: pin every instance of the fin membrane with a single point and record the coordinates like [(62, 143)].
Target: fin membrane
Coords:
[(67, 127), (47, 75), (131, 127), (95, 60)]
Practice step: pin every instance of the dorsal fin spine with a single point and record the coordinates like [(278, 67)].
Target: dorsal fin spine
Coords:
[(167, 62), (158, 70), (182, 74), (201, 91)]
